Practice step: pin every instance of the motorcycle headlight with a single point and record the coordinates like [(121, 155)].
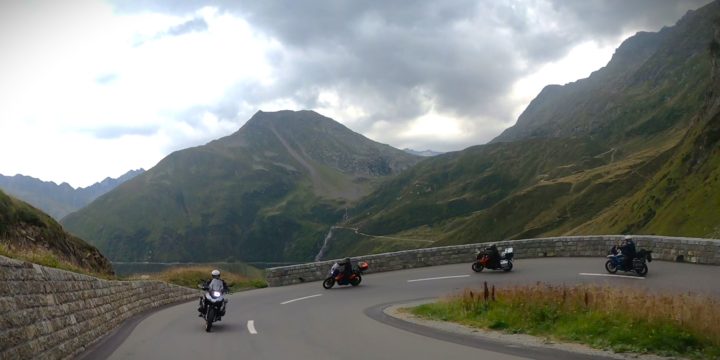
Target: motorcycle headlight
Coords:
[(216, 294)]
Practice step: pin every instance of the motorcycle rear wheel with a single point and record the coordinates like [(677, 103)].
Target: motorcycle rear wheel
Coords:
[(477, 267), (356, 281), (509, 267), (329, 283), (642, 271), (209, 318), (610, 267)]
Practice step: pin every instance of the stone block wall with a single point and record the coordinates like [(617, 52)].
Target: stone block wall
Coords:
[(701, 251), (48, 313)]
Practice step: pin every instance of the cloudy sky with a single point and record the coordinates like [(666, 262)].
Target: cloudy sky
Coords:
[(91, 88)]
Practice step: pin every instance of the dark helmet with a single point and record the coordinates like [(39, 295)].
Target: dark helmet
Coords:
[(215, 274), (347, 260)]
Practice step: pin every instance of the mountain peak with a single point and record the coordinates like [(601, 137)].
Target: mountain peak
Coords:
[(285, 115)]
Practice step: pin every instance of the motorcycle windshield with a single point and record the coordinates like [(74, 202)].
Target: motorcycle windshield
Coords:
[(216, 285)]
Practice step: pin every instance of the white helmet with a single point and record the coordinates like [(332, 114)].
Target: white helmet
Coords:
[(215, 273)]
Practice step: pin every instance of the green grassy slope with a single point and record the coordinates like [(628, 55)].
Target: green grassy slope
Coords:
[(30, 234), (266, 193), (607, 154), (683, 198)]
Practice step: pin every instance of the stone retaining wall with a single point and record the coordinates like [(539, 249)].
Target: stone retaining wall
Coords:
[(48, 313), (701, 251)]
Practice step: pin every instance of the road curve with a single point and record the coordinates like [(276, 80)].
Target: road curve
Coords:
[(307, 322)]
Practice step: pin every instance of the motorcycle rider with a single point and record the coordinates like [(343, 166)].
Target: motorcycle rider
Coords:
[(346, 267), (627, 248), (494, 254), (206, 284)]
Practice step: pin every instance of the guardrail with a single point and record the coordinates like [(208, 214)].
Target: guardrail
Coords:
[(701, 251)]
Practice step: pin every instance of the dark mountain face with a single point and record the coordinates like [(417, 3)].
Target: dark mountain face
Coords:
[(654, 82), (26, 230), (632, 149), (59, 200), (267, 192)]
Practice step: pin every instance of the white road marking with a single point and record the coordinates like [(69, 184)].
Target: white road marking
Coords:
[(251, 327), (612, 275), (298, 299), (439, 278)]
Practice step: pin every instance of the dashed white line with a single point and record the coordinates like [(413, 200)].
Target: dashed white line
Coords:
[(298, 299), (439, 278), (612, 275), (251, 327)]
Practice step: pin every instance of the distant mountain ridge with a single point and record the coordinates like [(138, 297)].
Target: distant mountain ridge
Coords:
[(425, 153), (268, 192), (59, 200)]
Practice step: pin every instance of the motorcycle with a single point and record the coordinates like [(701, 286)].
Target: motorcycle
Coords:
[(616, 262), (336, 277), (482, 261), (213, 302)]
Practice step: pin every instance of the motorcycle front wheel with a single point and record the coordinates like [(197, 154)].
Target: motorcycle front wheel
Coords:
[(356, 281), (642, 271), (329, 282), (477, 267), (610, 267), (209, 318)]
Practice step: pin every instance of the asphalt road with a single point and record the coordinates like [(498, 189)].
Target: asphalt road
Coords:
[(308, 322)]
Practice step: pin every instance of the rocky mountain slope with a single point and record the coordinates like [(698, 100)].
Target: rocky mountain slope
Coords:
[(653, 83), (266, 193), (683, 197), (59, 200), (26, 230), (631, 149)]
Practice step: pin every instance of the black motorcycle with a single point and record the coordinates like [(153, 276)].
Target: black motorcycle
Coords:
[(212, 304)]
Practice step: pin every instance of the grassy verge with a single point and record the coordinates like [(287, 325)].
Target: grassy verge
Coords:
[(621, 320), (193, 275)]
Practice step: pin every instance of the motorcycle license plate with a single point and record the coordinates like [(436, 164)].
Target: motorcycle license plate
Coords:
[(503, 262)]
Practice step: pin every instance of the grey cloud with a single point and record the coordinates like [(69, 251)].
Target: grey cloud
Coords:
[(612, 17), (114, 132), (395, 59), (196, 24)]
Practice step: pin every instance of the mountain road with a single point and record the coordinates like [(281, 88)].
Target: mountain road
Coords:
[(306, 321)]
